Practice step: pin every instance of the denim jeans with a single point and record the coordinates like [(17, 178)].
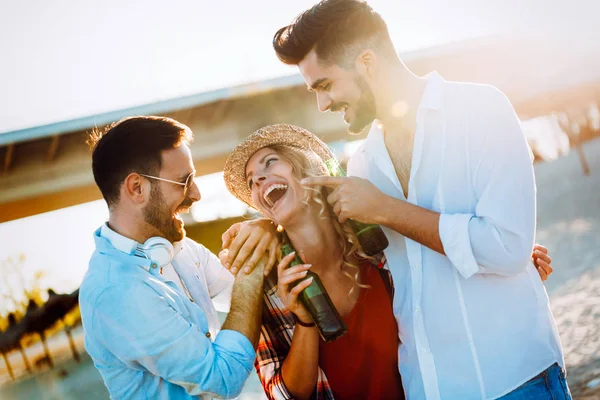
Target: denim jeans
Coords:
[(550, 384)]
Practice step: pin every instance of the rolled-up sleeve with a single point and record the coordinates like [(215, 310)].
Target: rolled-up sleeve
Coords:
[(498, 238), (142, 329)]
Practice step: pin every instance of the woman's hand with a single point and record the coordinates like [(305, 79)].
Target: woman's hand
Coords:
[(542, 261), (288, 294), (246, 242)]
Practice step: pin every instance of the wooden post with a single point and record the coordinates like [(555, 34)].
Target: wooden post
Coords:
[(581, 154), (53, 148), (48, 356), (27, 365), (8, 367), (8, 156), (72, 343)]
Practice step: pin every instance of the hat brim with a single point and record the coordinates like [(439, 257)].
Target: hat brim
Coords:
[(234, 172)]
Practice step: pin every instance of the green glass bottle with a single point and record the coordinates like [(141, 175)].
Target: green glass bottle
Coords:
[(318, 303), (370, 236)]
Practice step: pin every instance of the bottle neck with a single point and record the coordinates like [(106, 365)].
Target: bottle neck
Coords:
[(334, 168)]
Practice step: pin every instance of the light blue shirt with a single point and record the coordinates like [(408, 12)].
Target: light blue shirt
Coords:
[(148, 340)]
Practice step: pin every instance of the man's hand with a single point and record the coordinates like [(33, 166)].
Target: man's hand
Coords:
[(246, 300), (542, 261), (352, 198), (256, 237)]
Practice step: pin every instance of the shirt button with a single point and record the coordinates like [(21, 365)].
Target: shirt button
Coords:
[(154, 265), (417, 309), (208, 334)]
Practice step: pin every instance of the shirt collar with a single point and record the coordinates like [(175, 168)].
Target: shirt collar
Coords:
[(127, 245), (116, 245), (432, 98), (106, 247), (117, 240), (433, 95)]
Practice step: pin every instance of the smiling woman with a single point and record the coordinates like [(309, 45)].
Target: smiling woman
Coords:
[(274, 180), (265, 172)]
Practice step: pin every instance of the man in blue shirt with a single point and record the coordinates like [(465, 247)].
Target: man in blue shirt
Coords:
[(150, 325)]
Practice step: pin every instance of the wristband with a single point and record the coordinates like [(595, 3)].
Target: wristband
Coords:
[(304, 324)]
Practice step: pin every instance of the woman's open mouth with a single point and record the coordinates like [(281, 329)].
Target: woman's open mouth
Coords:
[(274, 193)]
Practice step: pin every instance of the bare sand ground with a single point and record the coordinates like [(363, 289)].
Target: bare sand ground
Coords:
[(569, 225)]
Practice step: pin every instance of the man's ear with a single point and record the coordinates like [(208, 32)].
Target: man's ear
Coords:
[(135, 188), (365, 62)]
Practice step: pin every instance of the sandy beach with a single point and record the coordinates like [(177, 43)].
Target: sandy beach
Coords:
[(568, 224)]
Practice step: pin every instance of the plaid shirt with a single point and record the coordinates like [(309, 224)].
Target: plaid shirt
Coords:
[(276, 338)]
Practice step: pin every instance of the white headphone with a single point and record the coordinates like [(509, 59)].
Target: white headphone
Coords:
[(157, 249)]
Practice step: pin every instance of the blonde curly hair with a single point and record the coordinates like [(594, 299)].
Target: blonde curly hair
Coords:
[(305, 163)]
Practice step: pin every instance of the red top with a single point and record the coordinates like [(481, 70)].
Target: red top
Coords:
[(363, 364)]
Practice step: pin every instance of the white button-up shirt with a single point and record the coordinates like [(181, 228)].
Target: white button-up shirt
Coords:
[(475, 324)]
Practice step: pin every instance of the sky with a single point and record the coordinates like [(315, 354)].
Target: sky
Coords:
[(66, 59)]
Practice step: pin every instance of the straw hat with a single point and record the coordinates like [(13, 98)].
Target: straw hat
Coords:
[(284, 134)]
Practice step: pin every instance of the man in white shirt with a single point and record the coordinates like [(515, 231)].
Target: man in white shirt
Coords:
[(449, 170)]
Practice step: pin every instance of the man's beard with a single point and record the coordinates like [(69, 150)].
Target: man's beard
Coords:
[(365, 110), (157, 214)]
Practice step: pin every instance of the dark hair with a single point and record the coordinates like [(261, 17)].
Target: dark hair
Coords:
[(131, 145), (338, 30)]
